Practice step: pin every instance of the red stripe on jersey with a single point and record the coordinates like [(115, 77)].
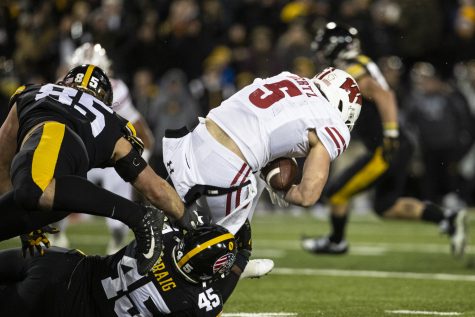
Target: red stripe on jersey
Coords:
[(330, 133), (340, 136), (238, 193), (325, 73), (235, 179)]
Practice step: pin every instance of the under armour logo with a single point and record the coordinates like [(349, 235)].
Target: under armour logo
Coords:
[(169, 167)]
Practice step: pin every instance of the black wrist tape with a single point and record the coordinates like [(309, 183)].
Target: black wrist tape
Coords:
[(130, 166)]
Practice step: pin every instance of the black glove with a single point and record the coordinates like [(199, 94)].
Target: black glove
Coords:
[(34, 239), (244, 245), (243, 237), (190, 220), (390, 148)]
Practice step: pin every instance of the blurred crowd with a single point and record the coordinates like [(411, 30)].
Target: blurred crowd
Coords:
[(180, 58)]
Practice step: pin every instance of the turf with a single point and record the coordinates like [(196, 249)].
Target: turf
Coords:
[(392, 266)]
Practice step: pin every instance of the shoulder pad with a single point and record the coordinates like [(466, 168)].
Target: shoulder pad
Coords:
[(15, 95)]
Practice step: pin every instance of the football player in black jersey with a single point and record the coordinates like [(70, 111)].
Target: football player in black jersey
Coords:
[(53, 135), (184, 282), (384, 165)]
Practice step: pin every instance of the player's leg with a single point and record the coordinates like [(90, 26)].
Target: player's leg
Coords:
[(16, 220), (52, 178), (113, 182), (31, 286), (364, 173), (390, 205)]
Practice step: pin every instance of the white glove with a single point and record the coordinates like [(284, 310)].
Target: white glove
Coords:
[(277, 197)]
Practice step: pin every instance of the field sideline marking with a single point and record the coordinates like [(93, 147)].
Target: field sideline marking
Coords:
[(257, 314), (376, 274), (423, 312), (373, 247)]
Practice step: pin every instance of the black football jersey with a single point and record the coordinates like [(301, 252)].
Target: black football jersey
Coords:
[(368, 127), (96, 124), (118, 290)]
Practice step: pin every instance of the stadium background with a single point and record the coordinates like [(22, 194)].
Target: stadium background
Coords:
[(182, 57)]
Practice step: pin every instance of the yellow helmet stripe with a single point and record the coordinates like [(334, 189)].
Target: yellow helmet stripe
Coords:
[(87, 76), (203, 246)]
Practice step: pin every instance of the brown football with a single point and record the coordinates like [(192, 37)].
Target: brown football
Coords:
[(281, 173)]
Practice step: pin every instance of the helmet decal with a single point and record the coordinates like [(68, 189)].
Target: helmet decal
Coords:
[(223, 264)]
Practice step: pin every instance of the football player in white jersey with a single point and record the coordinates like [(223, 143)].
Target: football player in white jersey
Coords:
[(215, 165), (89, 53)]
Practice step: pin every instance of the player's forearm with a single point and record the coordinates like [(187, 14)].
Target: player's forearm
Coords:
[(387, 107), (159, 193), (307, 193)]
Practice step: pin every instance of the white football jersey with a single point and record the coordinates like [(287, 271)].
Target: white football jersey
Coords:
[(271, 117), (122, 101)]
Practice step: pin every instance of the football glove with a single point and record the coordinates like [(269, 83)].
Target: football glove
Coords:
[(190, 220), (277, 197), (35, 239), (243, 237)]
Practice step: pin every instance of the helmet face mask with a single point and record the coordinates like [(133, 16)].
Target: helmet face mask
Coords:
[(342, 92), (336, 42), (90, 79), (205, 254)]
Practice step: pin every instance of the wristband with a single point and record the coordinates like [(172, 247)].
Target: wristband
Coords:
[(391, 129)]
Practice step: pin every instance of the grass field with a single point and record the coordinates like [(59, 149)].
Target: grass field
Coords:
[(393, 269)]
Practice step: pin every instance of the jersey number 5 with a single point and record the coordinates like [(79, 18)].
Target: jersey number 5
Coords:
[(273, 92)]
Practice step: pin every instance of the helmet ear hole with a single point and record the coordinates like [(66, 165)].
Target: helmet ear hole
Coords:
[(340, 106)]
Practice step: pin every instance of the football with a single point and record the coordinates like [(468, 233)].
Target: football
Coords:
[(281, 173)]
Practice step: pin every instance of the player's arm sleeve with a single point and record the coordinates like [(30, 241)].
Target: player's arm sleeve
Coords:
[(334, 139)]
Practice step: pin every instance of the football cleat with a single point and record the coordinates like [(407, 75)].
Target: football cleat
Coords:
[(323, 245), (257, 268), (458, 231), (148, 236)]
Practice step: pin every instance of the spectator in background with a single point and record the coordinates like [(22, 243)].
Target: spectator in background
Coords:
[(35, 42), (217, 81), (293, 44), (8, 84), (262, 60), (174, 108), (144, 92), (444, 126)]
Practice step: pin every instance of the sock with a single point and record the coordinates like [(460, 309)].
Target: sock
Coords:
[(433, 213), (76, 194), (338, 226)]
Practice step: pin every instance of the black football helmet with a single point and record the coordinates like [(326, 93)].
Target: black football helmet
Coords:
[(91, 79), (205, 254), (334, 39)]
